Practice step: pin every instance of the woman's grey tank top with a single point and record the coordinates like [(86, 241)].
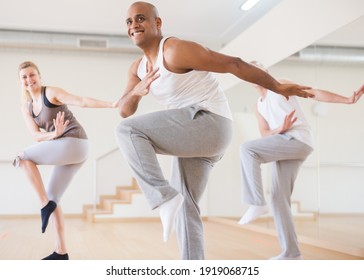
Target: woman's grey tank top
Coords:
[(49, 112)]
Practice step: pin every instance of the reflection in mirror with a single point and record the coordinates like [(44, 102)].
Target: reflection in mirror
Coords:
[(327, 199), (336, 63)]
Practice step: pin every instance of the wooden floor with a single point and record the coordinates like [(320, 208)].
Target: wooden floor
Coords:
[(21, 239), (344, 233)]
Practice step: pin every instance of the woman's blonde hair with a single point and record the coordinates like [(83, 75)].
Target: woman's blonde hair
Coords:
[(24, 65)]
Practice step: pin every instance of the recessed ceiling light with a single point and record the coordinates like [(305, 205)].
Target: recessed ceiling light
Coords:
[(249, 4)]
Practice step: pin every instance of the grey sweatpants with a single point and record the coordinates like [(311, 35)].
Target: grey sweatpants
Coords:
[(66, 154), (287, 155), (197, 139)]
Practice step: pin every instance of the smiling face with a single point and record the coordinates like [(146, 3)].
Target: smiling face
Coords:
[(143, 23), (30, 78)]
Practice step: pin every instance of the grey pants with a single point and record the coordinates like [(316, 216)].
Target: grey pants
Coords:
[(197, 139), (66, 154), (287, 155)]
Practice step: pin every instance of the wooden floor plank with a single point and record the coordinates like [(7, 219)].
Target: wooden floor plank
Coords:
[(21, 239)]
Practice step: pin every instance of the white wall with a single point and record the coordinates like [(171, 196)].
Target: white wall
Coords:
[(104, 76)]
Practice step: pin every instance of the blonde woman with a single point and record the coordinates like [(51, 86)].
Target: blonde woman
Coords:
[(62, 142)]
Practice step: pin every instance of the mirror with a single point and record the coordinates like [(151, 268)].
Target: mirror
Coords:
[(326, 202)]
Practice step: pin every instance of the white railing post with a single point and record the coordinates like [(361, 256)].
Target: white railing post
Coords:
[(95, 183), (95, 175)]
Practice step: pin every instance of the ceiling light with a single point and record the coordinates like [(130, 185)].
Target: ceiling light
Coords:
[(249, 4)]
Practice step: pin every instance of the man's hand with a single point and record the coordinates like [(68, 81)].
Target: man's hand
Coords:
[(289, 120), (292, 89), (143, 87)]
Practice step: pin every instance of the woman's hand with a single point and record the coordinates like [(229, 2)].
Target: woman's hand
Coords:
[(115, 104), (356, 96), (60, 124)]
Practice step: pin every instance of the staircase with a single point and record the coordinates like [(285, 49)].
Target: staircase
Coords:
[(128, 203), (297, 211), (105, 209)]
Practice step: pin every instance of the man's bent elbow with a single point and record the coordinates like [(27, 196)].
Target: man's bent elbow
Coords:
[(124, 113)]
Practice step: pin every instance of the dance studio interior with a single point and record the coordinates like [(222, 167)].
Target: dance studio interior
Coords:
[(83, 47)]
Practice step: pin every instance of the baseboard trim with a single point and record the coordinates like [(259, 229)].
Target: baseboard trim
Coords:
[(35, 216)]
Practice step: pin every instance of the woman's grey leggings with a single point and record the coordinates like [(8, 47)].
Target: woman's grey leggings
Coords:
[(66, 154), (197, 139)]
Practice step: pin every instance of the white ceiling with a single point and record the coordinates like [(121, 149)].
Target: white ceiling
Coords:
[(350, 35), (212, 23)]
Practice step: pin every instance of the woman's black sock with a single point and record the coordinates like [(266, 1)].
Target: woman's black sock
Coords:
[(56, 256), (46, 212)]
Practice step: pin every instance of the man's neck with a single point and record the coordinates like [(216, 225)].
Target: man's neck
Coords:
[(151, 51)]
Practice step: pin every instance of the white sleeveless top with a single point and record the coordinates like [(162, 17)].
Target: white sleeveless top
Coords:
[(274, 109), (174, 90)]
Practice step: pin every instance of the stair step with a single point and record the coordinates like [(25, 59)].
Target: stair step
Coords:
[(123, 196)]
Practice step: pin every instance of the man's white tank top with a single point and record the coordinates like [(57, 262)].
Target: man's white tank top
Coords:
[(174, 90), (274, 109)]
